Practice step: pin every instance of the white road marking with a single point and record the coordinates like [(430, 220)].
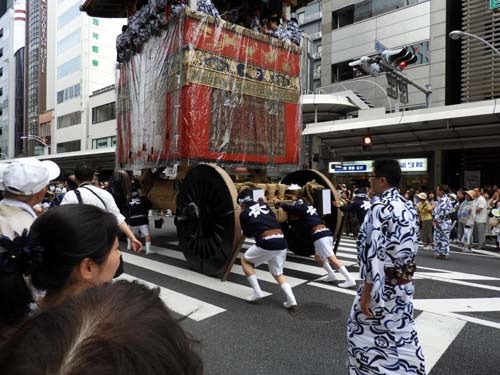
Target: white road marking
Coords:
[(351, 292), (261, 275), (192, 277), (458, 304), (181, 303), (436, 333)]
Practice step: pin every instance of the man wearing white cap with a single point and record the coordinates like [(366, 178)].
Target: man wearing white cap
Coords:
[(25, 183)]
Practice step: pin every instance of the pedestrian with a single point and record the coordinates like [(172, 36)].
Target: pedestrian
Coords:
[(495, 224), (322, 238), (25, 183), (466, 215), (481, 219), (117, 328), (276, 31), (90, 194), (460, 225), (381, 334), (294, 31), (425, 216), (68, 249), (138, 208), (258, 221), (442, 221), (206, 6), (356, 209)]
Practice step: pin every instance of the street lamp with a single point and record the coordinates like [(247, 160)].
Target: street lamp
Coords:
[(457, 34), (40, 140)]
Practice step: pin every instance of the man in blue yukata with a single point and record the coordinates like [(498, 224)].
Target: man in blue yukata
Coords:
[(381, 334)]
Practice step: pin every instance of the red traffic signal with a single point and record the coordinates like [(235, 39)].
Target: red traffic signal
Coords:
[(367, 143)]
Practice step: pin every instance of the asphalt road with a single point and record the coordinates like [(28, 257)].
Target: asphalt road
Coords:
[(457, 311)]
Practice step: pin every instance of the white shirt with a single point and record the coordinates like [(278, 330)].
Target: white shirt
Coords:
[(15, 217), (481, 216), (89, 198)]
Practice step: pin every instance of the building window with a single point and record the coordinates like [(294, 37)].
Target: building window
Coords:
[(95, 49), (70, 119), (343, 17), (71, 40), (105, 142), (69, 146), (103, 113), (95, 63), (1, 91), (95, 36), (69, 67), (342, 72), (1, 52), (1, 72), (68, 93), (367, 9), (1, 112), (95, 21), (1, 33), (68, 16)]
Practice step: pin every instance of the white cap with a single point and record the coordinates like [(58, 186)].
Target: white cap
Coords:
[(28, 176)]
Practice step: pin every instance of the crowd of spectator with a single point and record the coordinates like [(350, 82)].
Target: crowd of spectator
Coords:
[(58, 307), (151, 17), (475, 214)]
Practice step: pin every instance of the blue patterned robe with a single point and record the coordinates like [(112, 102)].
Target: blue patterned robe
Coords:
[(206, 6), (442, 219), (387, 343)]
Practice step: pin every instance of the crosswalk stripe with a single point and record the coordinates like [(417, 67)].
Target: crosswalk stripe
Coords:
[(229, 288), (351, 292), (261, 275), (436, 333), (180, 303)]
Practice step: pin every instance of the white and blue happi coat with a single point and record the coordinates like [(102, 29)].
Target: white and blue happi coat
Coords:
[(386, 344), (441, 214)]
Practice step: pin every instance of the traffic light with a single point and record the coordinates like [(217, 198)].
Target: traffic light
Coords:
[(366, 65), (399, 58), (367, 143)]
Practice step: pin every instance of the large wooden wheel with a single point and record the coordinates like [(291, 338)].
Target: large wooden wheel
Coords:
[(207, 219), (297, 235)]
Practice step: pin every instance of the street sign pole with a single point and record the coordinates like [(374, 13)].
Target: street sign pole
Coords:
[(426, 90)]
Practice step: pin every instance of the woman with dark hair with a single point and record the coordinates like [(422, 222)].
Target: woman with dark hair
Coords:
[(96, 332), (69, 249), (119, 187)]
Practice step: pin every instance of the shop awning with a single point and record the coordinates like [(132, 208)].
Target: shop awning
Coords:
[(324, 107), (468, 125)]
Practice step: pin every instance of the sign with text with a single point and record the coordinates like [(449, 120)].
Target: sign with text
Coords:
[(365, 166), (472, 179), (494, 4), (392, 85)]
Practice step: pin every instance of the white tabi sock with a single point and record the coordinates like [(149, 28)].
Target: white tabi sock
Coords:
[(148, 248), (328, 268), (350, 282), (290, 298), (129, 245), (257, 292)]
